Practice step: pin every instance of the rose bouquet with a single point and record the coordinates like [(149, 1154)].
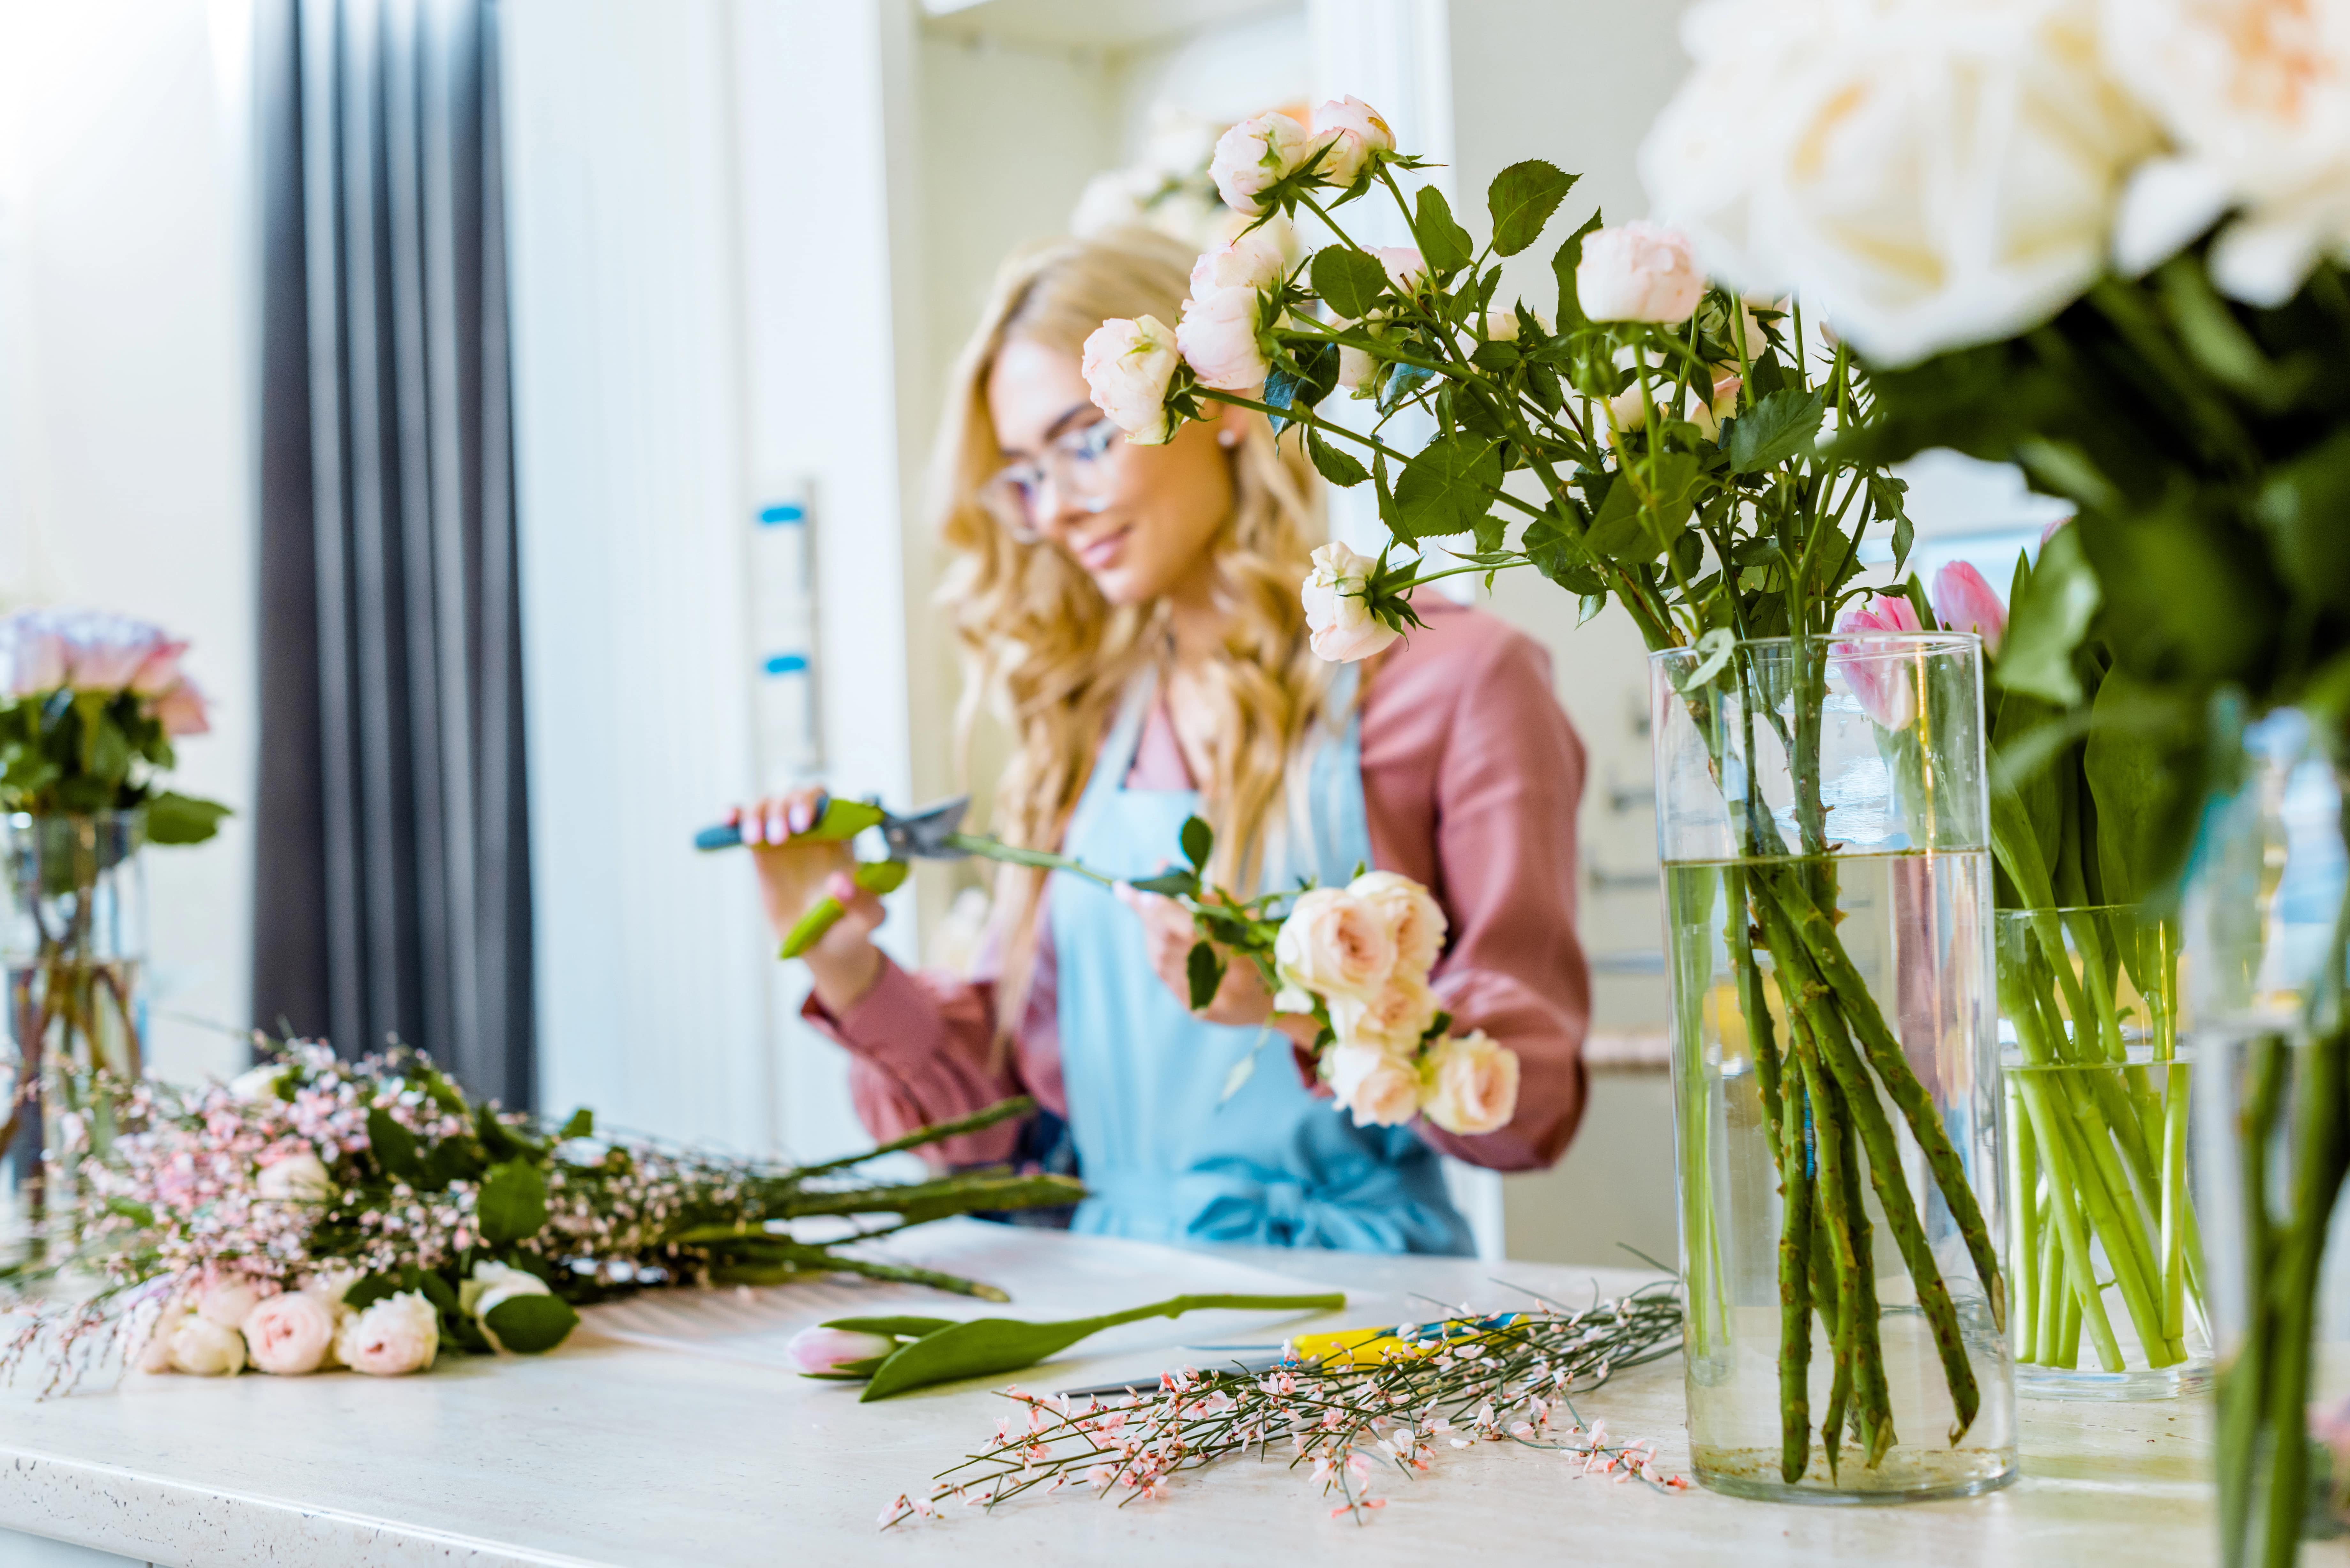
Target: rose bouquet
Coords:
[(319, 1212), (1653, 442), (90, 705), (2105, 239)]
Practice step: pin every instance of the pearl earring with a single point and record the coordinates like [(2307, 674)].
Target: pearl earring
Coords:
[(1228, 440)]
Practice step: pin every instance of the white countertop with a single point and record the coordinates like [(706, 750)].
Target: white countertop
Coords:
[(616, 1453)]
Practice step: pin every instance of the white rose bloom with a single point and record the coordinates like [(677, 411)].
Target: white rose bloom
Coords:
[(2256, 97), (1127, 366), (1254, 154), (1391, 1019), (1929, 175), (1338, 616), (1412, 914), (298, 1179), (204, 1348), (1256, 260), (1474, 1085), (1379, 1087), (258, 1083)]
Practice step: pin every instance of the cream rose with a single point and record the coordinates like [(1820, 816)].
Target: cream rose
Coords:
[(1411, 912), (1218, 339), (298, 1177), (1255, 261), (290, 1335), (1380, 1088), (396, 1336), (1503, 325), (1335, 945), (1251, 155), (204, 1348), (259, 1082), (2255, 96), (1927, 176), (1353, 131), (1127, 366), (227, 1299), (1473, 1084), (1339, 624), (1638, 271), (1630, 409), (1391, 1019)]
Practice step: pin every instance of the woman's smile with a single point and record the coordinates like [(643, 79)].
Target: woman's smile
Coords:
[(1100, 553)]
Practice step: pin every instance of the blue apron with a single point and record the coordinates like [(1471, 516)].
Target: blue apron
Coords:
[(1165, 1157)]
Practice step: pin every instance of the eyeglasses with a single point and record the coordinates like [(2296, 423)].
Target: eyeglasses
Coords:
[(1078, 464)]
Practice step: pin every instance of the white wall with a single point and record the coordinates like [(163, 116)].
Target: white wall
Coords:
[(126, 429)]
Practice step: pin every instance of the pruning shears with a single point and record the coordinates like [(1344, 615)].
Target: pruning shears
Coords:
[(932, 835)]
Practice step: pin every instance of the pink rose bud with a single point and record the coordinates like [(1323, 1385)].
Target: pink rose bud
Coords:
[(1253, 261), (290, 1335), (1127, 366), (1251, 155), (1218, 339), (1338, 619), (393, 1338), (1353, 131), (1962, 601), (822, 1352), (1475, 1085), (1638, 272)]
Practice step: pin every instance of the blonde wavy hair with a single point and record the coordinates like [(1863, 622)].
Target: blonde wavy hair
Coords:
[(1050, 656)]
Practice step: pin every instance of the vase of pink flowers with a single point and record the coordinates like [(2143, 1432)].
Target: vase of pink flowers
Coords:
[(92, 707)]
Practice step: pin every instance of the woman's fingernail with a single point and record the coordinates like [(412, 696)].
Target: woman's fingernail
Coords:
[(750, 826), (800, 815), (777, 830)]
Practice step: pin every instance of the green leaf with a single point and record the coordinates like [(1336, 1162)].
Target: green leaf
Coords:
[(1446, 487), (1348, 281), (1334, 463), (1316, 374), (581, 1124), (174, 818), (1205, 971), (1166, 884), (2047, 623), (1563, 263), (366, 1292), (981, 1347), (2304, 509), (1444, 245), (1560, 556), (2130, 777), (532, 1325), (1782, 425), (1199, 841), (1713, 650), (900, 1327), (1521, 199), (513, 1204), (1622, 533), (393, 1146)]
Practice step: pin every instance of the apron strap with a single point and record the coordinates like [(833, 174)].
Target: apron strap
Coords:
[(1114, 760)]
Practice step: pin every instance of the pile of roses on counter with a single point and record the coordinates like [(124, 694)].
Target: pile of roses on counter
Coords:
[(230, 1325)]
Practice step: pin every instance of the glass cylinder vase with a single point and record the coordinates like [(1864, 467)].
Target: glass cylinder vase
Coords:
[(2109, 1289), (2268, 932), (1822, 819), (71, 946)]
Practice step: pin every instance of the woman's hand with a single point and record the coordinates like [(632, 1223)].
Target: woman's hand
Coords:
[(1168, 936), (795, 874)]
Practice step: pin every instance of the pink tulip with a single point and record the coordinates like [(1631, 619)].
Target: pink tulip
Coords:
[(1880, 679), (822, 1352), (1964, 602)]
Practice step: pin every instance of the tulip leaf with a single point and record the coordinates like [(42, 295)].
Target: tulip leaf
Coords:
[(1782, 425), (1444, 245), (981, 1347), (513, 1204), (2301, 508), (1349, 281), (1205, 971), (895, 1327), (1446, 487), (2047, 622), (531, 1324), (1521, 199), (1334, 463)]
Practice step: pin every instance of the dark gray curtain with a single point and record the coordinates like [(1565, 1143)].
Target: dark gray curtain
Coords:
[(392, 887)]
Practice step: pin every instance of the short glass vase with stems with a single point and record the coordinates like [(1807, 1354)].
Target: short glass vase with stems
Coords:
[(2106, 1258), (1821, 817), (1679, 466)]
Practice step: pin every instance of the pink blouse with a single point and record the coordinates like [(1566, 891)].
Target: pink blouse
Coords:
[(1471, 775)]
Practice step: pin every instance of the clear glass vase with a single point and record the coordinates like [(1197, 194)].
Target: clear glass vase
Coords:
[(1821, 817), (2267, 936), (2108, 1297), (73, 941)]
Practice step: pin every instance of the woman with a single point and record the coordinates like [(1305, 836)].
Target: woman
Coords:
[(1134, 613)]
